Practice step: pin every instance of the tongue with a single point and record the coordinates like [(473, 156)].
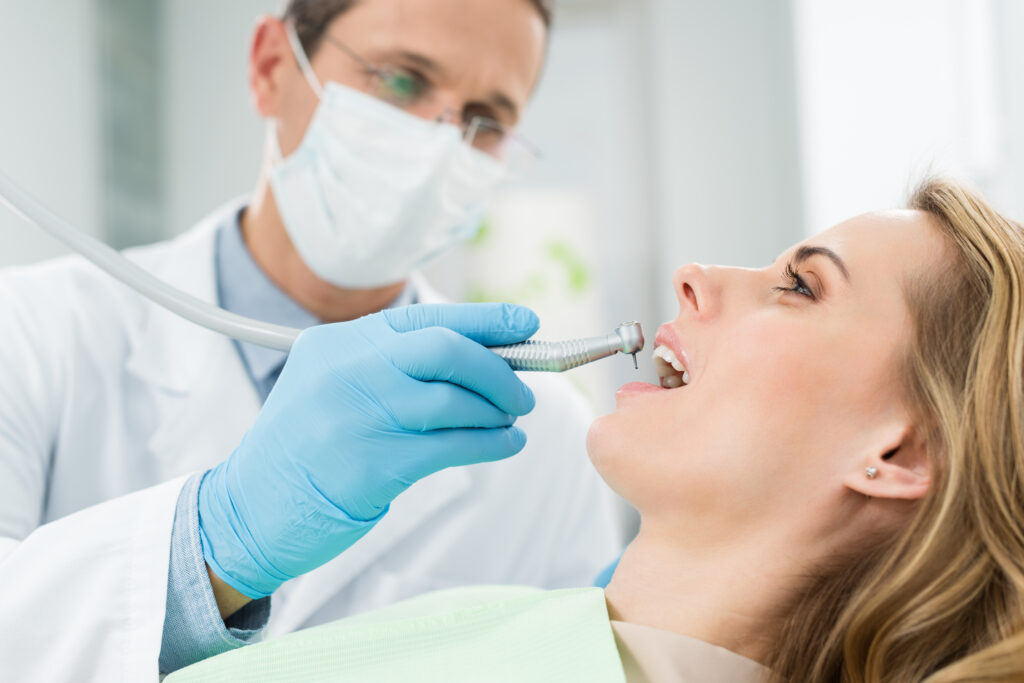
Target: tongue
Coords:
[(672, 381)]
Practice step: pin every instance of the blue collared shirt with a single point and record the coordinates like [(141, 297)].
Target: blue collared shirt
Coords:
[(193, 627), (244, 289)]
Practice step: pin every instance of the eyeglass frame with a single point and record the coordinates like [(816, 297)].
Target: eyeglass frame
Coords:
[(468, 127)]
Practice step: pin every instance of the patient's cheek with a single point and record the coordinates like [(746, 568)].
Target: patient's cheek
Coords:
[(597, 441), (612, 447), (601, 444)]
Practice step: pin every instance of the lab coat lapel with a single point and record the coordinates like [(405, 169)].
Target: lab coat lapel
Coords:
[(202, 425), (199, 389)]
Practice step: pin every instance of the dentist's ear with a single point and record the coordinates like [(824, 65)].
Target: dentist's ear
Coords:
[(899, 469), (269, 56)]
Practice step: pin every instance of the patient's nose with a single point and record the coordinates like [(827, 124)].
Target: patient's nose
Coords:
[(695, 292)]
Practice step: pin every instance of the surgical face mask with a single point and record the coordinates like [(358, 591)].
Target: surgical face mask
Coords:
[(373, 193)]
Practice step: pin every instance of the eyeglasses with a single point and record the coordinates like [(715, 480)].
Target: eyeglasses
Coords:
[(407, 90)]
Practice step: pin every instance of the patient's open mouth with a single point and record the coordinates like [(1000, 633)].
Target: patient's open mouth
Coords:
[(672, 372)]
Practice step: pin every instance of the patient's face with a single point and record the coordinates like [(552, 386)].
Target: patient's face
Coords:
[(792, 380)]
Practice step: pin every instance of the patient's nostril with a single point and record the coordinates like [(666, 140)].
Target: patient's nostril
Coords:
[(690, 295)]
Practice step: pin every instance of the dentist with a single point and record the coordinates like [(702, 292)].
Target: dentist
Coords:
[(167, 494)]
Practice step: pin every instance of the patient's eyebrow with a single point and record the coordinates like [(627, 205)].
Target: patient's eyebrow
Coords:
[(804, 253)]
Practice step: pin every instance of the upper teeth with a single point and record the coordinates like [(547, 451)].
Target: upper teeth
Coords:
[(669, 368)]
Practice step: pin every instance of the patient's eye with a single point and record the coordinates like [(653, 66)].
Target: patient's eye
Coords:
[(795, 283)]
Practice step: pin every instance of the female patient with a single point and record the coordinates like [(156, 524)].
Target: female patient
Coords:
[(831, 482)]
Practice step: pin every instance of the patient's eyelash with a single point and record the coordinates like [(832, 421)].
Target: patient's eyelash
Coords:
[(796, 283)]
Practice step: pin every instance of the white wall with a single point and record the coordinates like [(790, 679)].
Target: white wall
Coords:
[(1008, 186), (589, 118), (890, 91), (723, 134), (213, 140), (49, 128)]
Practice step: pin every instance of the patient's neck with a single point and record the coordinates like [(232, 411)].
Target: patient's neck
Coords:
[(725, 591)]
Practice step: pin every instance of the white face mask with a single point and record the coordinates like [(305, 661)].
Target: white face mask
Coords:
[(372, 193)]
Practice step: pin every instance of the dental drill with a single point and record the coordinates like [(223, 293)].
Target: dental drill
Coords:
[(529, 356), (541, 356)]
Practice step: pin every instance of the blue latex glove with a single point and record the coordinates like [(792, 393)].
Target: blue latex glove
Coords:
[(362, 410)]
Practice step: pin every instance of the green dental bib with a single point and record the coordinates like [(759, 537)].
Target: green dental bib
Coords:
[(466, 634)]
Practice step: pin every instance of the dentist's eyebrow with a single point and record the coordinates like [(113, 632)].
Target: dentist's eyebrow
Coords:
[(415, 59), (804, 253)]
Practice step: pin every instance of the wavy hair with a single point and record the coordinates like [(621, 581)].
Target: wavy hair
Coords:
[(942, 601)]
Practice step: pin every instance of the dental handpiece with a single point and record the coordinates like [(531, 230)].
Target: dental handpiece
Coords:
[(539, 356)]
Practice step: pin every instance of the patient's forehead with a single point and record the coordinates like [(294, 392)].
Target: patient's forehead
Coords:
[(896, 243)]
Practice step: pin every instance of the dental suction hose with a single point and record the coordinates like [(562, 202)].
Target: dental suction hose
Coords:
[(530, 355), (110, 260)]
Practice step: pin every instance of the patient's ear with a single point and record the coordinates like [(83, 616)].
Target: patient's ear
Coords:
[(900, 468)]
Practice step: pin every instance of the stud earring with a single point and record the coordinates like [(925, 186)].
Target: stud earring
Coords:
[(872, 472)]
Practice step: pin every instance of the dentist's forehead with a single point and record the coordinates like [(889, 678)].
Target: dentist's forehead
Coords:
[(497, 41)]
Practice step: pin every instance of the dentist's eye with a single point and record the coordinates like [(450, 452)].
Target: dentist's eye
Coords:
[(795, 283), (401, 87)]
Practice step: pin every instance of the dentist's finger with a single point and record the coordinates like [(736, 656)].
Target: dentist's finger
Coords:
[(438, 354), (490, 324), (428, 406)]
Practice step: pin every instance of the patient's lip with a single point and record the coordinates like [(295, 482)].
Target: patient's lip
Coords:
[(639, 388), (633, 390)]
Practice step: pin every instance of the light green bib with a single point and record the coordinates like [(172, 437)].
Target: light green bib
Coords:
[(466, 634)]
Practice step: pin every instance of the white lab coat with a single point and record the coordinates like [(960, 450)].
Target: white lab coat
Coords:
[(107, 403)]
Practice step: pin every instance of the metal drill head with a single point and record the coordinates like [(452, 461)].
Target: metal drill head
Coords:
[(632, 337)]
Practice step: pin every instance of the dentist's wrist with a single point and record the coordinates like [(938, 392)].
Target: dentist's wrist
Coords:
[(294, 530), (228, 544), (228, 599)]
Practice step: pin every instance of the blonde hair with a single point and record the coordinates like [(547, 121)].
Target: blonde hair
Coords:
[(943, 601)]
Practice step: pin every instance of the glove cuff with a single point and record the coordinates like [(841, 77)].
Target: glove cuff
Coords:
[(233, 550)]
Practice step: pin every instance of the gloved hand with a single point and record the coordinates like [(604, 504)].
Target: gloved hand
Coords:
[(362, 410)]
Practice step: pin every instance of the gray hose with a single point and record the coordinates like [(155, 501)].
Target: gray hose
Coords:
[(115, 264), (530, 355)]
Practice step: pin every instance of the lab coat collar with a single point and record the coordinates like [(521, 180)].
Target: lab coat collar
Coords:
[(167, 350), (185, 367)]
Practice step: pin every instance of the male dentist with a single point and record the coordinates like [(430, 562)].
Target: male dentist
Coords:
[(167, 494)]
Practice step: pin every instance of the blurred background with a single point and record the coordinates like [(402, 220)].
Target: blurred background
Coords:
[(672, 131)]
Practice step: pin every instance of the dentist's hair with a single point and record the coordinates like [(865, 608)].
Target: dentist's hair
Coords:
[(944, 600), (312, 17)]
